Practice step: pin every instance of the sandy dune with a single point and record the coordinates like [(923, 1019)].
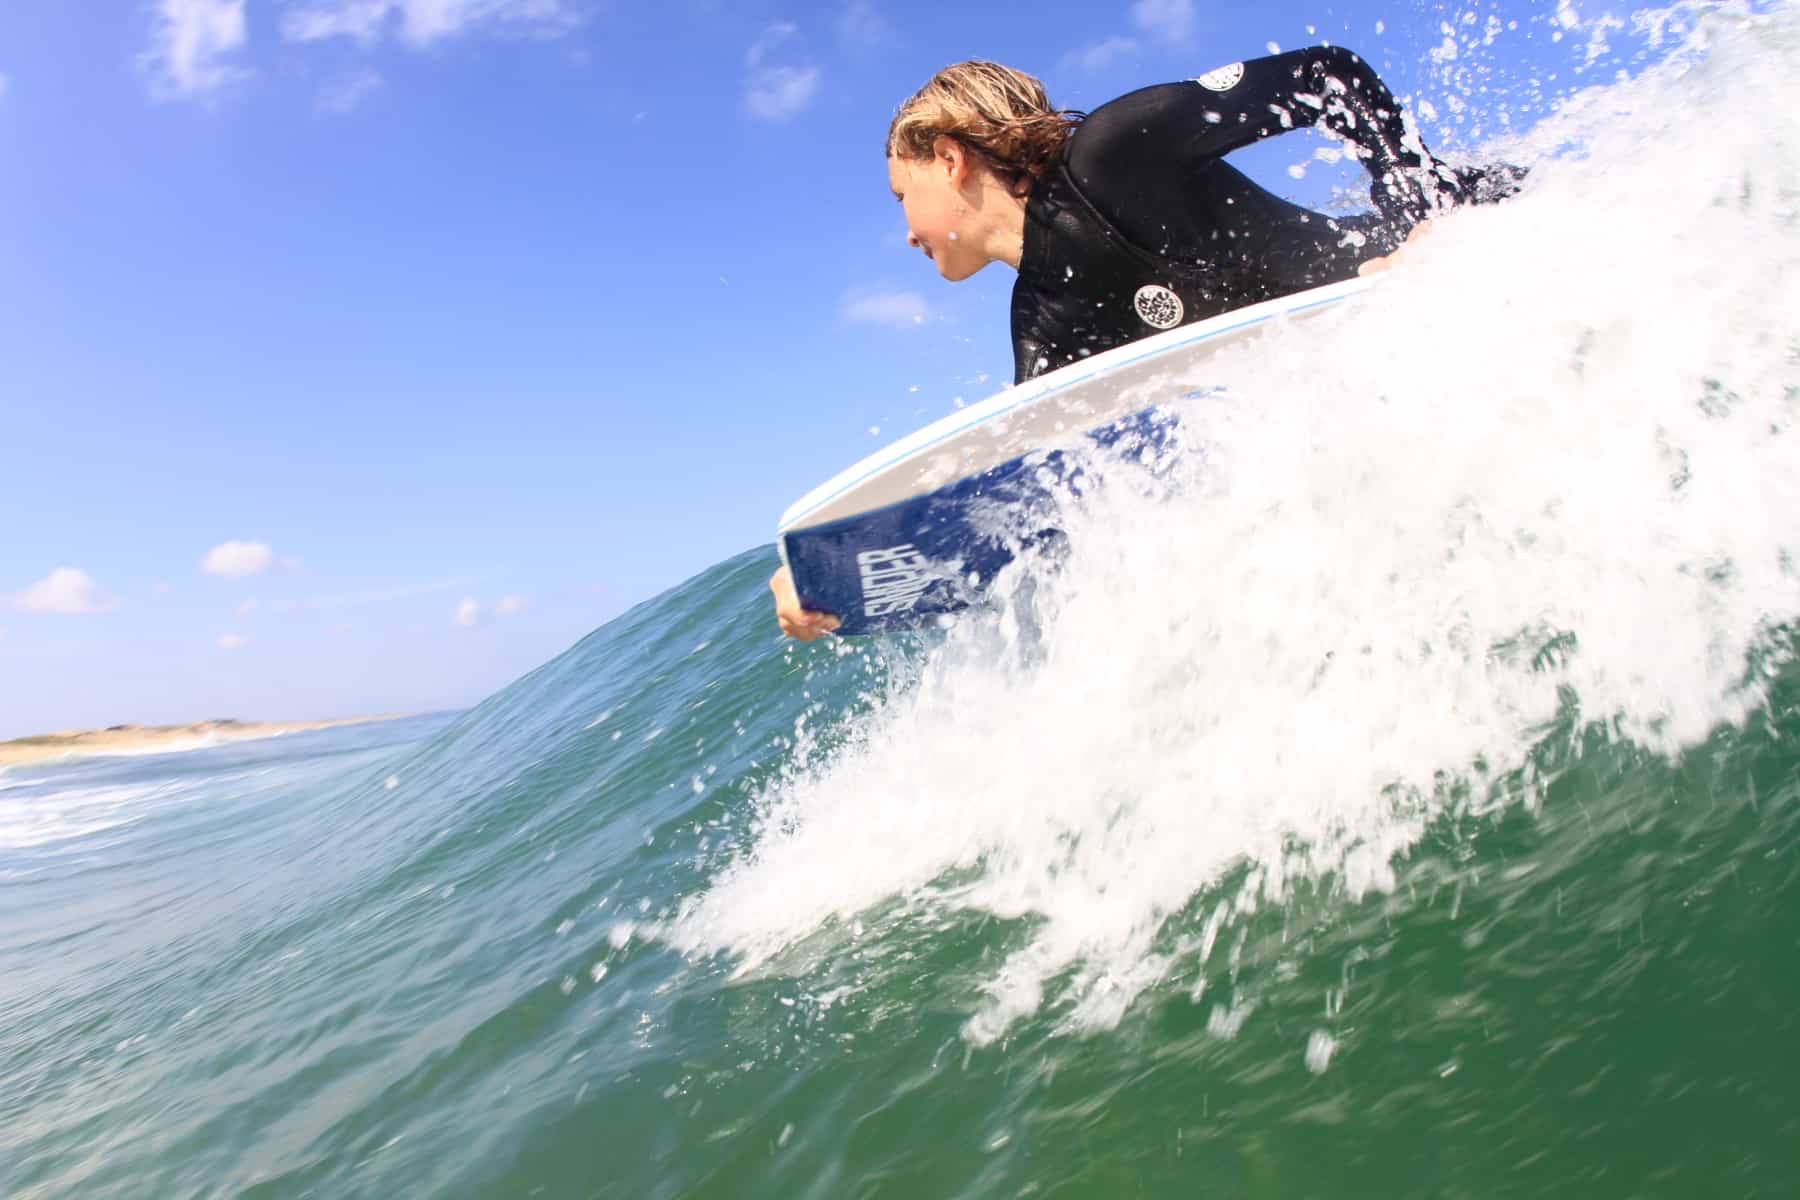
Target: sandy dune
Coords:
[(153, 739)]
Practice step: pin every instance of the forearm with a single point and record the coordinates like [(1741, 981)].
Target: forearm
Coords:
[(1344, 95), (1334, 89)]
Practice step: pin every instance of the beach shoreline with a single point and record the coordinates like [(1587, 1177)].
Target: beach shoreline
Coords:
[(123, 740)]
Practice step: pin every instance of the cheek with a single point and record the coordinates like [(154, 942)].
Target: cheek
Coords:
[(931, 215)]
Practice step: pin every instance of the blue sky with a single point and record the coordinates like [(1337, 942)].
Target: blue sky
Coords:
[(359, 355)]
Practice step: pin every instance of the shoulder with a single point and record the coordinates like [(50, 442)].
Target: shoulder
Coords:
[(1146, 115), (1131, 114)]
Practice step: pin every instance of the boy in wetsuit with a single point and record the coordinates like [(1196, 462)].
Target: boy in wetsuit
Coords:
[(1127, 221)]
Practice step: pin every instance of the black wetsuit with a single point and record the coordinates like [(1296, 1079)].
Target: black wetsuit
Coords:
[(1141, 226)]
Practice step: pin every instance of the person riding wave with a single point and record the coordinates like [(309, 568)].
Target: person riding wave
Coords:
[(1127, 221)]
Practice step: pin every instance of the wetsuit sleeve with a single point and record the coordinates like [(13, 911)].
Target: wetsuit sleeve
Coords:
[(1325, 86), (1031, 356), (1331, 87)]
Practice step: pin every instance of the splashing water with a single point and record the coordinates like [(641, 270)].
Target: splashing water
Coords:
[(1543, 480)]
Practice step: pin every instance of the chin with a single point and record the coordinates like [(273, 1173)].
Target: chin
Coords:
[(956, 272)]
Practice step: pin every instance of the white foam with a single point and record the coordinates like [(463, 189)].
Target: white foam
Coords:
[(36, 818), (1399, 505)]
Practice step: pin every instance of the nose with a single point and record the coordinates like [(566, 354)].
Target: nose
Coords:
[(912, 239)]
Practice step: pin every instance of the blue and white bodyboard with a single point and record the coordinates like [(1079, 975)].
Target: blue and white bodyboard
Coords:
[(916, 529)]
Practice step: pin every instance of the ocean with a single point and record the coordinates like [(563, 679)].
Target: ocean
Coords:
[(1398, 796)]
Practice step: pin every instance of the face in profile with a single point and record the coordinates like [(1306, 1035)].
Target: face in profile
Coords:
[(938, 213)]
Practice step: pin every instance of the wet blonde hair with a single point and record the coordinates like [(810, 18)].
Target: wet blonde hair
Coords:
[(1002, 115)]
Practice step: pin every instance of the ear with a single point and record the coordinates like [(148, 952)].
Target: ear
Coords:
[(951, 159)]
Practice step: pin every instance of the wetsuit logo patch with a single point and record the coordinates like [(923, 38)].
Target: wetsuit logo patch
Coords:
[(1158, 306), (1223, 79)]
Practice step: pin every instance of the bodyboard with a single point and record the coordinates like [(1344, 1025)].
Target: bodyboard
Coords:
[(918, 528)]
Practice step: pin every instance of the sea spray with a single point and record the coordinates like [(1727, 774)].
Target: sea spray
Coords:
[(1543, 480)]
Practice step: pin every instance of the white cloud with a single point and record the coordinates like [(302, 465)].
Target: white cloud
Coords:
[(237, 559), (471, 612), (777, 93), (245, 609), (191, 42), (233, 641), (901, 310), (1172, 20), (772, 91), (341, 95), (1101, 55), (860, 26), (1158, 21), (421, 22), (64, 590), (359, 20), (770, 39)]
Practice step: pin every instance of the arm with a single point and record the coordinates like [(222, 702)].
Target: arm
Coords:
[(1327, 86), (1331, 87)]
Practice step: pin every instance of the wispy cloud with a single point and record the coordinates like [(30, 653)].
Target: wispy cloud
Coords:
[(775, 91), (1101, 55), (770, 40), (361, 21), (1154, 22), (1168, 20), (900, 310), (237, 559), (860, 26), (233, 641), (64, 590), (422, 22), (471, 612), (341, 95), (191, 45), (246, 608)]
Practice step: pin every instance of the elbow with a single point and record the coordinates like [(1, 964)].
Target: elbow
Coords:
[(1345, 66), (1340, 58)]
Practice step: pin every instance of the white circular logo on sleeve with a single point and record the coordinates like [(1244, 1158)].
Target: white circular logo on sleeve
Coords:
[(1223, 79), (1158, 306)]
